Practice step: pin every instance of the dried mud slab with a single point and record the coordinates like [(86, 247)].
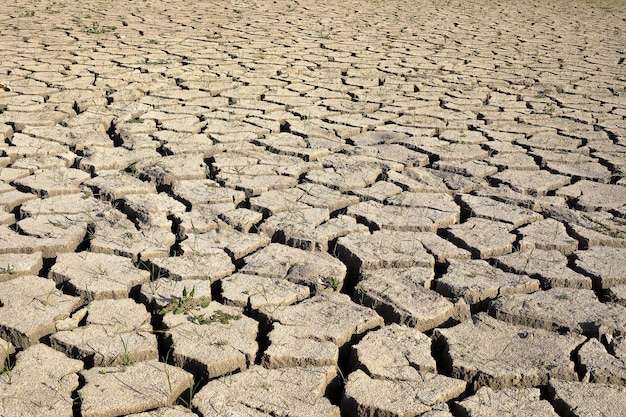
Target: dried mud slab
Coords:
[(277, 201), (116, 235), (209, 266), (590, 195), (113, 185), (73, 204), (367, 396), (26, 264), (157, 294), (547, 234), (487, 208), (476, 281), (242, 219), (13, 242), (606, 266), (142, 386), (260, 391), (116, 332), (576, 166), (383, 249), (53, 182), (604, 230), (378, 192), (287, 349), (487, 352), (96, 276), (317, 270), (511, 402), (233, 242), (259, 292), (164, 170), (394, 352), (536, 183), (211, 341), (483, 238), (314, 324), (204, 191), (27, 389), (399, 296), (293, 226), (30, 307), (99, 159), (580, 399), (600, 366), (379, 216), (563, 310), (440, 248), (547, 266), (343, 179), (200, 219), (152, 209), (323, 237)]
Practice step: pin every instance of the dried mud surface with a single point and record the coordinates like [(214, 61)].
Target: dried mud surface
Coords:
[(289, 208)]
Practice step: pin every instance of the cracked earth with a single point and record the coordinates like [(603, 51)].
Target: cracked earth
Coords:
[(249, 208)]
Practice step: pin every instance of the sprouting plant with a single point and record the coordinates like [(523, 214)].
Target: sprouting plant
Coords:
[(342, 376), (332, 281), (186, 402), (167, 377), (127, 357), (218, 316), (322, 34), (185, 304), (132, 171), (611, 297), (96, 29), (549, 108), (48, 300), (61, 224), (7, 367), (9, 270)]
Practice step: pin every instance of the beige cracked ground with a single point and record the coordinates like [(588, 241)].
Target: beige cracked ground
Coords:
[(288, 208)]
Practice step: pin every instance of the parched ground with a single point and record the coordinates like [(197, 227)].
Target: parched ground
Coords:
[(290, 208)]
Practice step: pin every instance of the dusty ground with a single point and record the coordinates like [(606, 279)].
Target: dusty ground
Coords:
[(328, 208)]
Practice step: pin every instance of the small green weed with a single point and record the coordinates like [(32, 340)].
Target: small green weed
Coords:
[(549, 109), (9, 270), (218, 317), (7, 368), (127, 358), (132, 171), (332, 282), (185, 304), (96, 29)]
